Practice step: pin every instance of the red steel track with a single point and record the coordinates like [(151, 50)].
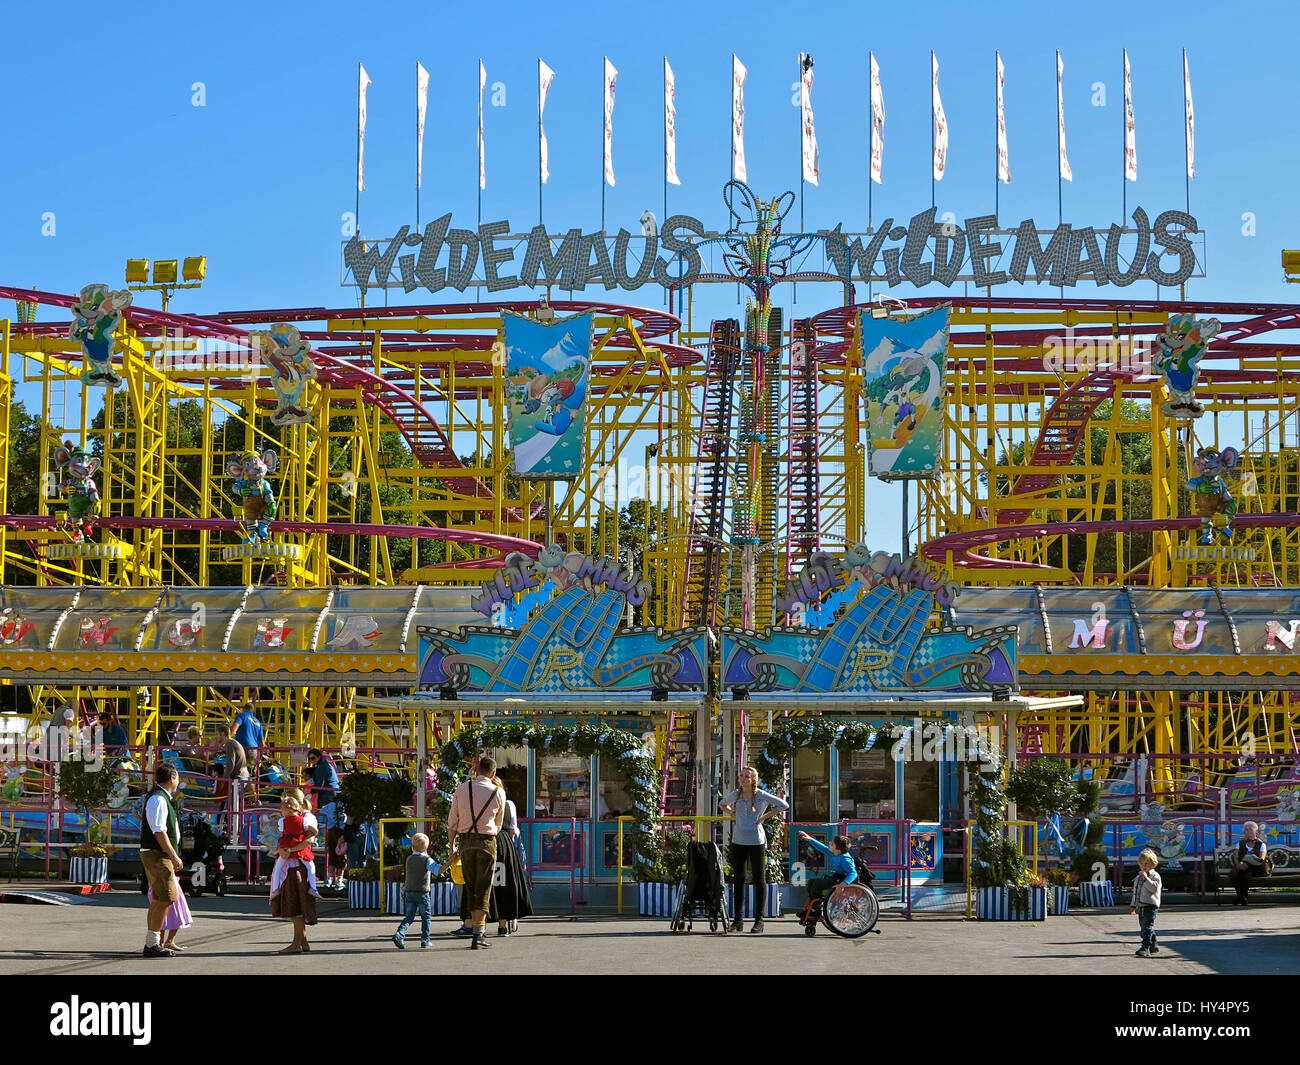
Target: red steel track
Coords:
[(961, 546)]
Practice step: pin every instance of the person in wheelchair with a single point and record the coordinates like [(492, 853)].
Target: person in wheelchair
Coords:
[(843, 869)]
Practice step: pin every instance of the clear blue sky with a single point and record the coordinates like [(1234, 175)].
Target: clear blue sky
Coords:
[(103, 133)]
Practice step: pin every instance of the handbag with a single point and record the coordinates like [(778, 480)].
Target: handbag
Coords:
[(457, 871)]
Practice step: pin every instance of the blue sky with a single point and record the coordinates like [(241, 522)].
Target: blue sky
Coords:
[(104, 134)]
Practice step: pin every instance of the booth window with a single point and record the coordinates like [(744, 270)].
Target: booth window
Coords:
[(867, 783), (921, 790), (512, 771), (563, 786), (811, 786), (612, 797)]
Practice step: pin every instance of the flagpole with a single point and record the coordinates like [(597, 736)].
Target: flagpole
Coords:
[(665, 214), (417, 144), (871, 136), (539, 141), (801, 180), (603, 93), (356, 214), (1060, 181), (932, 144), (478, 78), (997, 139), (1123, 210), (1187, 159)]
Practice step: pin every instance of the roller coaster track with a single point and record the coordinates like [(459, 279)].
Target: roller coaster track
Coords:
[(704, 571), (1063, 430), (428, 442), (961, 546), (491, 541)]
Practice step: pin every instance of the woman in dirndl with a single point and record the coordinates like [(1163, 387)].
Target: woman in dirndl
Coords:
[(295, 902)]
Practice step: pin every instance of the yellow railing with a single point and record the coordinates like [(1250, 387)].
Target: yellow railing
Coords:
[(618, 851)]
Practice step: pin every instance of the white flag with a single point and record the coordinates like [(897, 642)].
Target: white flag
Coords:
[(738, 73), (1004, 161), (1130, 134), (1190, 116), (545, 75), (940, 122), (877, 124), (611, 76), (670, 126), (421, 109), (363, 83), (482, 154), (808, 139), (1066, 173)]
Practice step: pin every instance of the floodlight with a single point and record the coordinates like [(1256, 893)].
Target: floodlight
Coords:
[(164, 272), (195, 268), (137, 271)]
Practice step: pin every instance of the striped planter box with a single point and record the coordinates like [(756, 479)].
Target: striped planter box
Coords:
[(364, 895), (994, 904), (1092, 893), (657, 900), (1058, 900), (88, 870), (772, 907), (445, 898)]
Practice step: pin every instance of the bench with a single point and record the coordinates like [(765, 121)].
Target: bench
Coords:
[(1286, 869)]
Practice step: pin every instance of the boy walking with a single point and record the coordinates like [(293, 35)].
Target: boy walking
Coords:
[(419, 868), (1146, 901)]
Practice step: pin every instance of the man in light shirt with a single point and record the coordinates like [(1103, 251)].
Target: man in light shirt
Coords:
[(159, 838), (477, 810)]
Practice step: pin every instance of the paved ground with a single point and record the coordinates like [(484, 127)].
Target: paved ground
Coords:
[(235, 935)]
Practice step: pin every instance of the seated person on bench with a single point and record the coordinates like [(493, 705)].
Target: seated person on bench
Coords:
[(843, 870), (1251, 861)]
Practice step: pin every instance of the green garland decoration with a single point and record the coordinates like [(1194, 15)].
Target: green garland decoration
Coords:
[(623, 748)]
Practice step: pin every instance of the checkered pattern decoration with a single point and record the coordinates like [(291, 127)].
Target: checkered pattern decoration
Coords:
[(262, 550), (85, 550)]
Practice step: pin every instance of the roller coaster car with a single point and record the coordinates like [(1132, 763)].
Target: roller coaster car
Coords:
[(1260, 787)]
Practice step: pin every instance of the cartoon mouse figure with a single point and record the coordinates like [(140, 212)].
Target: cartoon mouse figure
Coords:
[(255, 492), (94, 317), (78, 488), (1209, 488), (561, 400), (289, 357), (1179, 360)]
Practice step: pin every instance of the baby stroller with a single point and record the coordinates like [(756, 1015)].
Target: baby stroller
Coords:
[(702, 894), (202, 845)]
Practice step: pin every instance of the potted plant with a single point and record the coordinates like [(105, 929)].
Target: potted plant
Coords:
[(363, 888), (666, 858), (89, 790), (1058, 890), (89, 862), (1090, 864), (1005, 890)]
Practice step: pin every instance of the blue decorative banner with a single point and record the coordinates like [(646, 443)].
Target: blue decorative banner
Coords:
[(902, 385), (880, 640), (570, 639), (547, 367)]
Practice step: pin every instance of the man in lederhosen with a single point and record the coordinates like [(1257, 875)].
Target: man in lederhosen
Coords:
[(477, 810)]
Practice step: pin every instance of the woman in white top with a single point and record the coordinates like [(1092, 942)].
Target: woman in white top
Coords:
[(750, 806)]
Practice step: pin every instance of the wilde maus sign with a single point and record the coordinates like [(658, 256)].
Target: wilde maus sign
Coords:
[(921, 253)]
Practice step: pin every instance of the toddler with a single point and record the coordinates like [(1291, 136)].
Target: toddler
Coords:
[(293, 837)]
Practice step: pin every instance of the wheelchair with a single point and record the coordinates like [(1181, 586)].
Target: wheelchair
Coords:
[(849, 910)]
